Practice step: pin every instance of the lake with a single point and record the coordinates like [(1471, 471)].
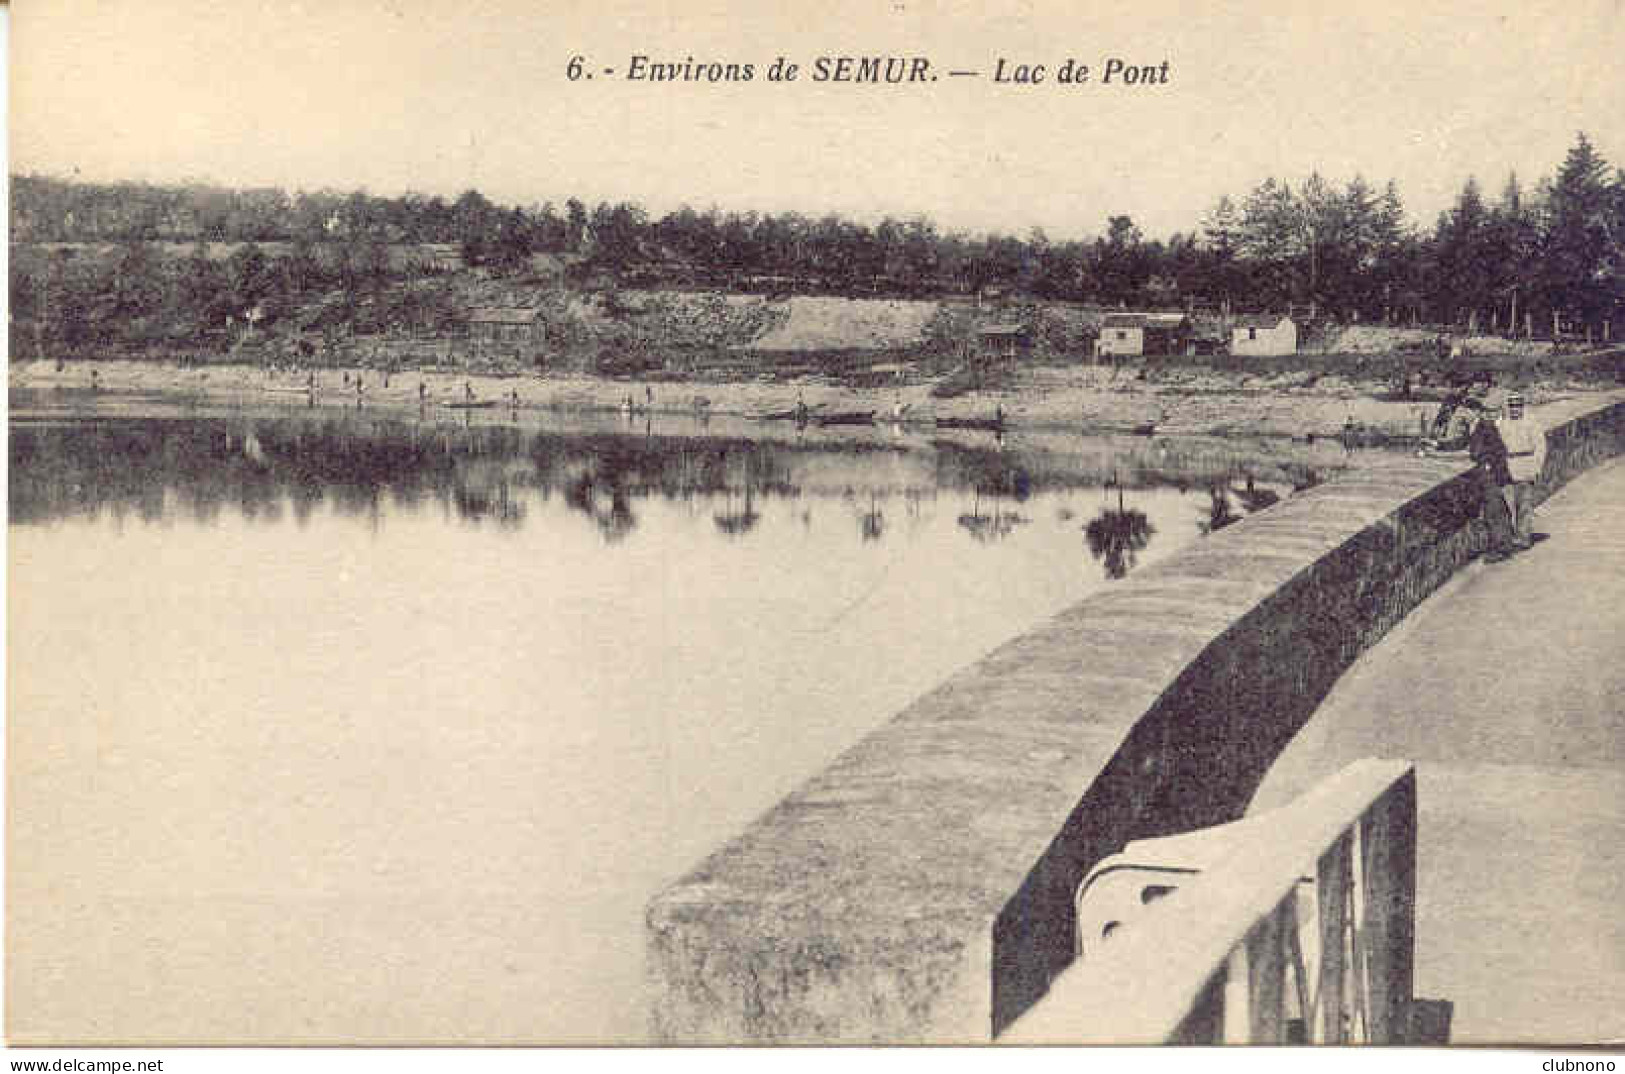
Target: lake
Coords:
[(329, 725)]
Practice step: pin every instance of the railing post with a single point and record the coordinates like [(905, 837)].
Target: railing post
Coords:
[(1205, 1022), (1237, 1011), (1332, 903), (1209, 962), (1254, 986), (1266, 965), (1388, 865)]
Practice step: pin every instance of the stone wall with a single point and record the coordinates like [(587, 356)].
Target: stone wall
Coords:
[(920, 889)]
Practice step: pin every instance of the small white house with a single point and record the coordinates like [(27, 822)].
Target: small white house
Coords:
[(1262, 334), (1142, 333)]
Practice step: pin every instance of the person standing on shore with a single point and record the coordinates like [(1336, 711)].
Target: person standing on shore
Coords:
[(1526, 456)]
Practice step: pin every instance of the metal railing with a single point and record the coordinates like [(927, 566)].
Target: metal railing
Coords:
[(1294, 926)]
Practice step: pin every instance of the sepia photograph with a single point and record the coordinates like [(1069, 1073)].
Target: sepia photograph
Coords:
[(881, 523)]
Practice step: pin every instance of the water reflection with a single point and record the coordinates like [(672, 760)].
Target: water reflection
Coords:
[(992, 525), (1117, 537), (1219, 512), (734, 522), (1255, 499), (605, 500), (872, 523), (995, 477), (264, 467)]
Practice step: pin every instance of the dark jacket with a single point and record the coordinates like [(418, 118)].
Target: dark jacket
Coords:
[(1489, 451), (1456, 400)]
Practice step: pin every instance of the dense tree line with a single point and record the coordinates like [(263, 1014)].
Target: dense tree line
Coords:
[(138, 297), (1345, 250)]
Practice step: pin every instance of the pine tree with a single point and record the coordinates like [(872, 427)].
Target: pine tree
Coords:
[(1580, 266)]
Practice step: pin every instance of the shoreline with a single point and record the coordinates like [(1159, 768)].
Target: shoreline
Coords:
[(1188, 401)]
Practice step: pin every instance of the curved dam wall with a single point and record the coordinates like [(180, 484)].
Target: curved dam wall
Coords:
[(920, 888)]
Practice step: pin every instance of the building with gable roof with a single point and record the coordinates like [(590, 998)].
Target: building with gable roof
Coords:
[(1264, 334)]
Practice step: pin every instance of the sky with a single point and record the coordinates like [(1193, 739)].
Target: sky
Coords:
[(437, 97)]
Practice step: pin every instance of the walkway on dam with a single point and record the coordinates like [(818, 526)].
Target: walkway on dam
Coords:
[(1507, 688)]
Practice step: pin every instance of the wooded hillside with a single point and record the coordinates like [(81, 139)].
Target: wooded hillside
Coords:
[(132, 265)]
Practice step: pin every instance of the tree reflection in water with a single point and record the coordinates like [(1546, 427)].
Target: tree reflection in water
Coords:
[(476, 503), (606, 502), (369, 468), (736, 523), (995, 475), (1117, 537), (872, 523), (994, 526)]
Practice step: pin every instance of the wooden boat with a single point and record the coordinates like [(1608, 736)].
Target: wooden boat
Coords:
[(471, 404), (793, 414), (1145, 428), (993, 424), (847, 417), (280, 390)]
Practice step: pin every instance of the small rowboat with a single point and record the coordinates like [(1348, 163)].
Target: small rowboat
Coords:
[(472, 404), (992, 424), (279, 390), (794, 414), (849, 417)]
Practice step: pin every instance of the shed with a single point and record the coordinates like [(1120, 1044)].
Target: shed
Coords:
[(438, 256), (991, 293), (504, 323), (1264, 334), (1142, 333), (1209, 335), (1003, 341)]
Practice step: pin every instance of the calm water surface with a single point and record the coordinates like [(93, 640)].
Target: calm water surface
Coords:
[(339, 726)]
